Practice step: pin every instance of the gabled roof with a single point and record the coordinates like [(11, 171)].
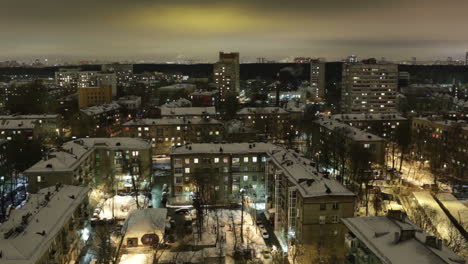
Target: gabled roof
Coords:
[(42, 224), (378, 234), (303, 174)]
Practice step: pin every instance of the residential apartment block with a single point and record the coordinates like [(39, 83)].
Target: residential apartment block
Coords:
[(384, 125), (443, 142), (164, 134), (306, 207), (98, 121), (94, 161), (49, 228), (272, 122), (369, 87), (91, 96), (226, 74), (188, 112), (393, 239), (328, 130), (218, 172)]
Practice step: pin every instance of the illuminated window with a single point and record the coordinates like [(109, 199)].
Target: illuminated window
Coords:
[(246, 159), (254, 159), (246, 177), (195, 160), (216, 160), (187, 170)]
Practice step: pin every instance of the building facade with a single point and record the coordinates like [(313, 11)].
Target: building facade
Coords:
[(218, 172), (110, 162), (273, 122), (444, 143), (226, 74), (369, 87), (165, 134), (306, 207), (49, 228), (317, 79), (91, 96)]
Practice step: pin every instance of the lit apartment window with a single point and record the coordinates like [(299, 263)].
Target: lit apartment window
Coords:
[(146, 128), (235, 160), (334, 219), (254, 159), (216, 160), (139, 129), (246, 159), (246, 177), (178, 128), (322, 219), (39, 179), (366, 145), (195, 160), (225, 160), (187, 161), (187, 170)]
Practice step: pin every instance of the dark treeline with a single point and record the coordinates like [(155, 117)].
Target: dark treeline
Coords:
[(419, 73)]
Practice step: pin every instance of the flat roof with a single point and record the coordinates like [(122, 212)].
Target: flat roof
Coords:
[(227, 148), (181, 111), (369, 117), (176, 121), (261, 110)]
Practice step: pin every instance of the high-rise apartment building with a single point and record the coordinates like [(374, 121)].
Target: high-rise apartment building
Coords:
[(317, 79), (226, 74), (369, 87)]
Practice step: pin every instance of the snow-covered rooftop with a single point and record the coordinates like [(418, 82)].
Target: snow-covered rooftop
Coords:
[(378, 234), (261, 111), (30, 231), (351, 132), (72, 153), (181, 102), (443, 122), (207, 93), (45, 116), (187, 111), (17, 124), (231, 148), (168, 122), (100, 109), (302, 172), (369, 117)]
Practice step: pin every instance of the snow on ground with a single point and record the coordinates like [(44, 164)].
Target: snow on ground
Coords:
[(122, 206), (230, 230), (136, 259), (432, 208)]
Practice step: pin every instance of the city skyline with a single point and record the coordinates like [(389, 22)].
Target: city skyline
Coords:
[(163, 30)]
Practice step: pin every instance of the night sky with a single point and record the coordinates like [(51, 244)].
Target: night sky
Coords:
[(276, 29)]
